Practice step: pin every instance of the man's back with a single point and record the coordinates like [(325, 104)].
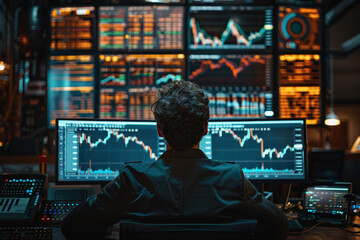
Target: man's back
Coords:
[(182, 185)]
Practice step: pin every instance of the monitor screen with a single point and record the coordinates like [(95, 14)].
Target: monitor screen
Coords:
[(299, 28), (300, 102), (94, 150), (70, 88), (237, 85), (71, 28), (264, 149), (326, 201), (128, 82), (229, 27), (141, 27)]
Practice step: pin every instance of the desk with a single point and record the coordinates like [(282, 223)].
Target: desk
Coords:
[(318, 233), (326, 233)]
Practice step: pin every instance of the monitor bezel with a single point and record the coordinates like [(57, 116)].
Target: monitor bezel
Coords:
[(305, 179), (82, 182)]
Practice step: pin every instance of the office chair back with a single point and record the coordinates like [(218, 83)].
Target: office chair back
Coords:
[(149, 230)]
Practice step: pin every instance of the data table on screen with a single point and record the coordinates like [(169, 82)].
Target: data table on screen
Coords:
[(70, 87), (72, 28), (141, 27)]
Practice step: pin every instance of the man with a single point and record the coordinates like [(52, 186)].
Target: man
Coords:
[(183, 183)]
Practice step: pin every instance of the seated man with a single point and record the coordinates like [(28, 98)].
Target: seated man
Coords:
[(182, 184)]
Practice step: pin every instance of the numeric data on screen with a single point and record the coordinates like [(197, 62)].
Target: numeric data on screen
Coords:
[(141, 27)]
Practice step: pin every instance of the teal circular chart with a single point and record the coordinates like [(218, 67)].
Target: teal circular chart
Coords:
[(294, 26)]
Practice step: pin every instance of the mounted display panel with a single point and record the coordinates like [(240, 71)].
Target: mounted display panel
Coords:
[(299, 28), (229, 28), (237, 85), (71, 28), (128, 82), (299, 81), (70, 87), (141, 28)]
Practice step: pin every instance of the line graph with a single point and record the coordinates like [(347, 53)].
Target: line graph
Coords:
[(102, 151), (256, 138), (228, 27), (168, 77), (200, 36), (231, 70), (236, 69), (113, 81), (87, 139)]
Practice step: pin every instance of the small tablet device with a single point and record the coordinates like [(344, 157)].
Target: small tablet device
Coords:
[(327, 202)]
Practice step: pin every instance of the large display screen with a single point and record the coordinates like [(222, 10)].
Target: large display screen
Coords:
[(72, 28), (300, 102), (299, 69), (141, 27), (128, 82), (268, 149), (237, 85), (70, 87), (229, 27), (299, 28)]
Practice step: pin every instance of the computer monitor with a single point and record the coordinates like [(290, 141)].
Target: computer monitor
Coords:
[(93, 151), (266, 150)]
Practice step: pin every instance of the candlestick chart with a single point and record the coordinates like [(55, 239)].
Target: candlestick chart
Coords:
[(105, 151)]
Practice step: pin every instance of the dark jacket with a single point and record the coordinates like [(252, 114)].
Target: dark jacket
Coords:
[(181, 184)]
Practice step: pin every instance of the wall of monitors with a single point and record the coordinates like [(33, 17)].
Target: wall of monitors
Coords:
[(107, 60)]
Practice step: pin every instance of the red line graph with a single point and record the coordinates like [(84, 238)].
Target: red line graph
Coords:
[(209, 65)]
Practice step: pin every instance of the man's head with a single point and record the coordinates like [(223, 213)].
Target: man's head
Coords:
[(182, 112)]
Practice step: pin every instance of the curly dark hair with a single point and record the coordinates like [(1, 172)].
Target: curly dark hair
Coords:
[(182, 112)]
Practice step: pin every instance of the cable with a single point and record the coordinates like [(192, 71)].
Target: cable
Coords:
[(310, 228)]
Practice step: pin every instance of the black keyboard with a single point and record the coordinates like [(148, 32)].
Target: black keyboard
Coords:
[(25, 233), (295, 226)]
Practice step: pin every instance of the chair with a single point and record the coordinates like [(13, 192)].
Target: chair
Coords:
[(151, 230)]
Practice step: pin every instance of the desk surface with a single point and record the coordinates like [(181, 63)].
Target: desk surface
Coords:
[(318, 233), (326, 233)]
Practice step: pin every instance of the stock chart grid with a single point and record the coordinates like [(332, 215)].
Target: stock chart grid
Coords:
[(263, 149), (96, 150), (135, 49)]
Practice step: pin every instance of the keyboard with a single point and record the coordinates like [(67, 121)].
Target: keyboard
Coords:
[(53, 212), (28, 233), (295, 226)]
